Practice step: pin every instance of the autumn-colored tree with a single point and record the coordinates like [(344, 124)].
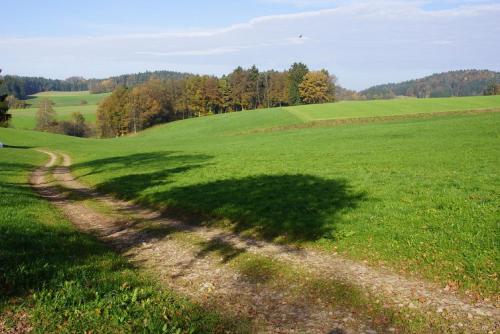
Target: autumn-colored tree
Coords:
[(111, 113), (46, 116), (212, 94), (316, 87), (194, 95), (277, 89), (148, 104), (104, 86), (225, 95), (133, 109), (179, 98), (240, 82)]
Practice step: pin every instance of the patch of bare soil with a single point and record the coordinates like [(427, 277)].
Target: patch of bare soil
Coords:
[(212, 282)]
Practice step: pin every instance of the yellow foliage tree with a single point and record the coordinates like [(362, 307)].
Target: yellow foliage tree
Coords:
[(316, 87)]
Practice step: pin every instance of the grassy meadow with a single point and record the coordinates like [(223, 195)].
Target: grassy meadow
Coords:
[(419, 195), (68, 282), (403, 106), (66, 103)]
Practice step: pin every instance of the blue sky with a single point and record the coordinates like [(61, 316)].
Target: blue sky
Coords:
[(362, 42)]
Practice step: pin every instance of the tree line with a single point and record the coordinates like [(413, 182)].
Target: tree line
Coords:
[(447, 84), (131, 80), (131, 109), (21, 87)]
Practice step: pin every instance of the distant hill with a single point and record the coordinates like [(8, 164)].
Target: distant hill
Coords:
[(21, 87), (453, 83)]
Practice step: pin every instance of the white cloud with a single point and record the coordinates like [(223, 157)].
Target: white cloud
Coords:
[(362, 42)]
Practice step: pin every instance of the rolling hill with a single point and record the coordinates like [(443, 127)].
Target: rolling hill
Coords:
[(410, 191), (68, 102), (453, 83)]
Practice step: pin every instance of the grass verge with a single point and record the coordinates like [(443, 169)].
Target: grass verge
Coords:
[(55, 279)]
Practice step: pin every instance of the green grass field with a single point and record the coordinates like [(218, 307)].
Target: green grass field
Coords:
[(419, 195), (65, 99), (376, 108), (68, 282), (66, 103)]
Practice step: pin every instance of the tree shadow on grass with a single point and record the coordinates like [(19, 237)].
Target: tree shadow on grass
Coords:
[(34, 251), (290, 207), (17, 147), (158, 162), (71, 275), (293, 207)]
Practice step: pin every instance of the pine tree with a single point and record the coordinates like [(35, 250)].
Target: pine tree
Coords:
[(295, 76)]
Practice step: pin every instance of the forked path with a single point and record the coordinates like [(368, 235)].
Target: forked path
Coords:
[(190, 269)]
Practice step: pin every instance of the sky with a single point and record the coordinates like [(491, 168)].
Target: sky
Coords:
[(362, 42)]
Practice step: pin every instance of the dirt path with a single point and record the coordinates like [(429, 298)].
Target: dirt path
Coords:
[(189, 268)]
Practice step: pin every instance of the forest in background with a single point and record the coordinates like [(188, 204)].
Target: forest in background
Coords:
[(22, 87), (157, 101), (446, 84)]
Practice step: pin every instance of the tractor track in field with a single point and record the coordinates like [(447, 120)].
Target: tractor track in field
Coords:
[(209, 280)]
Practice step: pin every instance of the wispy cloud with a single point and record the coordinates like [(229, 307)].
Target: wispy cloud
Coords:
[(363, 42)]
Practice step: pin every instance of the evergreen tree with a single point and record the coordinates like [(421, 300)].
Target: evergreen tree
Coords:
[(4, 107), (295, 76)]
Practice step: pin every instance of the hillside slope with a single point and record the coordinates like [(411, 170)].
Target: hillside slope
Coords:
[(411, 193), (453, 83)]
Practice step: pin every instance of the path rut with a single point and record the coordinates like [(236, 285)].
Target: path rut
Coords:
[(210, 281)]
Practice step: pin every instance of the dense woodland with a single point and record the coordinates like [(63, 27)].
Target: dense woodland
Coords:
[(453, 83), (22, 87), (157, 101)]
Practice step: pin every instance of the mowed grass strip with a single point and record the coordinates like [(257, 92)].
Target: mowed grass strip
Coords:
[(418, 195), (55, 279)]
